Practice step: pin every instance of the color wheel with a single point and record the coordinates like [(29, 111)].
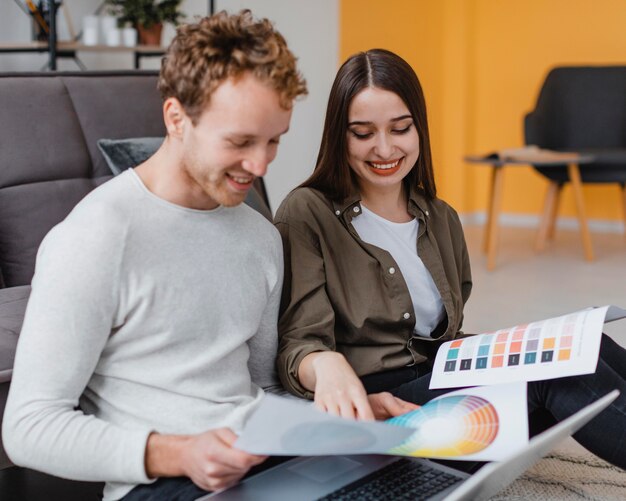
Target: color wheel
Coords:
[(450, 426)]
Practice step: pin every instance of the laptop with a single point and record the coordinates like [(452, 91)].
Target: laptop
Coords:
[(390, 477)]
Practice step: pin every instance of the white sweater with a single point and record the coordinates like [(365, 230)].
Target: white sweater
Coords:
[(150, 316)]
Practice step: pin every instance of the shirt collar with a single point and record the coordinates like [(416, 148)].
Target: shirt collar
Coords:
[(347, 204), (418, 205)]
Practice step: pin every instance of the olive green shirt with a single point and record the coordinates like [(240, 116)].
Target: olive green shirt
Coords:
[(343, 294)]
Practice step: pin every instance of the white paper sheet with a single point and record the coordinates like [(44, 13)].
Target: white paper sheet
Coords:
[(288, 427), (490, 421), (557, 347)]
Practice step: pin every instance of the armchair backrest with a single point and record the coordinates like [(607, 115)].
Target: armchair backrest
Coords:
[(580, 108)]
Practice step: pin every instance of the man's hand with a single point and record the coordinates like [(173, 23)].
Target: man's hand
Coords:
[(384, 405), (208, 459)]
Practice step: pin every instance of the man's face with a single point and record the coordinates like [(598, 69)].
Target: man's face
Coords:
[(233, 141)]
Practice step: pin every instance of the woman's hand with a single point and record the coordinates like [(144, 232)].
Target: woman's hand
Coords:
[(385, 405), (338, 390)]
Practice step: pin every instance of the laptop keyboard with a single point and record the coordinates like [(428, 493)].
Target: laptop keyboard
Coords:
[(402, 479)]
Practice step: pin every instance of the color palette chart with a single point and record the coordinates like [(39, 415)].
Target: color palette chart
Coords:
[(523, 344), (449, 427), (546, 349)]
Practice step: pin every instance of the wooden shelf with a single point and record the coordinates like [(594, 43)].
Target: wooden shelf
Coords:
[(58, 48), (69, 49), (76, 46)]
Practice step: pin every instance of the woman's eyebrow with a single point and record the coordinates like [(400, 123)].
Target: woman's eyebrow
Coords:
[(395, 119)]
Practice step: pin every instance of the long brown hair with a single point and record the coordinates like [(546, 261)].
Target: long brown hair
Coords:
[(385, 70)]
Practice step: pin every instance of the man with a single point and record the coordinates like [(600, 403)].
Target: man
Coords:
[(154, 304)]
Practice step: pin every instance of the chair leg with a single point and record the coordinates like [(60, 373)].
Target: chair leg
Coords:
[(555, 210), (546, 226), (624, 205), (577, 187)]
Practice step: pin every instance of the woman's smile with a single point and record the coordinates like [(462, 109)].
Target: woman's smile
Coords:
[(385, 168)]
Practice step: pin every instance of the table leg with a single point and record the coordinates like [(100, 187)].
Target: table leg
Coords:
[(577, 187), (489, 210), (495, 204)]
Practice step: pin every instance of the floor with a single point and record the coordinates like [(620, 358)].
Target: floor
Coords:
[(527, 286)]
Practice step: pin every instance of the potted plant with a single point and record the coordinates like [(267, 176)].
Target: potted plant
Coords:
[(147, 16)]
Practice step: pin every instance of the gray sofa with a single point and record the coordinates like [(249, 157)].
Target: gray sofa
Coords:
[(50, 124)]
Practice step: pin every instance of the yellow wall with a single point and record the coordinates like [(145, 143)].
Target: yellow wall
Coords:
[(481, 63)]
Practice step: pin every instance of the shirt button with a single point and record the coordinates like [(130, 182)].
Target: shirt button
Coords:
[(426, 212), (392, 270), (337, 212), (407, 316), (356, 209)]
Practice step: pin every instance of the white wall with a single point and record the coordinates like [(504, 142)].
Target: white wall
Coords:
[(311, 28), (312, 32)]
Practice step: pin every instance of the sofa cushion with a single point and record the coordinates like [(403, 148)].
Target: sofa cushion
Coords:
[(122, 154), (40, 135), (12, 307), (115, 106), (27, 213), (49, 125)]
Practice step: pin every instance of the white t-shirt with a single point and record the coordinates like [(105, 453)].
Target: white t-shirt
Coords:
[(400, 240)]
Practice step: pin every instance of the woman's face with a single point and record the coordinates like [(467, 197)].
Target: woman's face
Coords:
[(383, 144)]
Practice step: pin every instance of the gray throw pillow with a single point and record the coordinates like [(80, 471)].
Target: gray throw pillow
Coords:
[(122, 154)]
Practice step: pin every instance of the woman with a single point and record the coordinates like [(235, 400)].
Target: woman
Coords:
[(377, 270)]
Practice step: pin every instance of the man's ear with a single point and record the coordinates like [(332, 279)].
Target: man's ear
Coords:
[(174, 117)]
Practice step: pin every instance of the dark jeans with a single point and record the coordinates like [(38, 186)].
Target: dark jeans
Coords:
[(183, 489), (170, 489), (549, 401)]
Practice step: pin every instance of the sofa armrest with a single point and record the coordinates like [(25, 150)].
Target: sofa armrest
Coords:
[(12, 307)]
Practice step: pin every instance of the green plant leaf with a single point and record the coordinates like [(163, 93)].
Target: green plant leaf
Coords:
[(145, 12)]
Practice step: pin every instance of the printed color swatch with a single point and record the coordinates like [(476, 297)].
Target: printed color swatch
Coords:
[(522, 345), (450, 426)]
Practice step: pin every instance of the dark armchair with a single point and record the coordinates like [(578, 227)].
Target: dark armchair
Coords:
[(580, 109)]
